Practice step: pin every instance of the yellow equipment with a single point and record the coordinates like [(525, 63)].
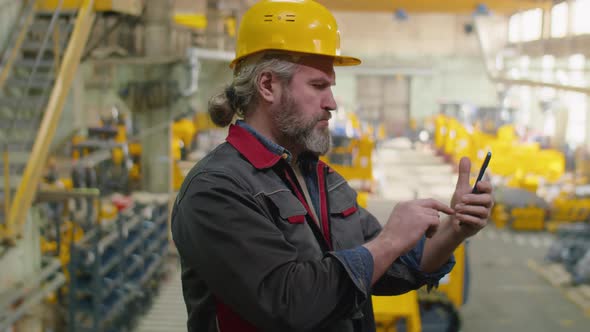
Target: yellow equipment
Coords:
[(566, 208), (351, 154), (523, 164), (304, 27), (499, 215), (193, 21), (530, 218), (389, 309)]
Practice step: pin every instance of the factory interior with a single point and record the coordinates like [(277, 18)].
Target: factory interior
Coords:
[(104, 111)]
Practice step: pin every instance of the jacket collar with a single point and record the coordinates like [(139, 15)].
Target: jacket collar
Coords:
[(252, 148)]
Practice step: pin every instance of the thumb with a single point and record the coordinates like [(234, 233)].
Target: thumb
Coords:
[(464, 172)]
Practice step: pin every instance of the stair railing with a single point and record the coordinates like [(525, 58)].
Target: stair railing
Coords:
[(16, 41), (69, 65)]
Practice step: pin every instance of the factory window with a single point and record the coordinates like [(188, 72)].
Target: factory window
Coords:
[(524, 100), (547, 68), (514, 28), (532, 23), (576, 102), (581, 23), (524, 63), (559, 20), (576, 124)]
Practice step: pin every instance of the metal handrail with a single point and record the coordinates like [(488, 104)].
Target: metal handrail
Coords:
[(33, 74), (69, 64), (10, 59), (31, 293), (16, 40), (10, 56)]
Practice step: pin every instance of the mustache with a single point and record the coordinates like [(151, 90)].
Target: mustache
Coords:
[(324, 117)]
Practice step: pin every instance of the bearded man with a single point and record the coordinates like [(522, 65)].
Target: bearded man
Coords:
[(270, 237)]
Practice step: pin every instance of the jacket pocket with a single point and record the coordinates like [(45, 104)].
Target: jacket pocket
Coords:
[(345, 217), (347, 212), (289, 215), (288, 206), (342, 201)]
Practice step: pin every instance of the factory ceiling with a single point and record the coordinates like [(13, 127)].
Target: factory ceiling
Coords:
[(503, 7)]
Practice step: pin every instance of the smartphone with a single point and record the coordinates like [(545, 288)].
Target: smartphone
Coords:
[(482, 171)]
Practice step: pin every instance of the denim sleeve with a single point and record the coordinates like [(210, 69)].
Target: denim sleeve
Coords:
[(358, 263), (413, 258), (405, 275)]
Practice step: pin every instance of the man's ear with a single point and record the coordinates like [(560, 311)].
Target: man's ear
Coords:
[(268, 87)]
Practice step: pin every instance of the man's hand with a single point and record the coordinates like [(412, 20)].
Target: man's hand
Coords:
[(471, 210), (408, 222), (411, 220)]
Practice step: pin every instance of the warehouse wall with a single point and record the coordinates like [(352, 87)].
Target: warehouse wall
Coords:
[(454, 79), (369, 34), (435, 51), (9, 10)]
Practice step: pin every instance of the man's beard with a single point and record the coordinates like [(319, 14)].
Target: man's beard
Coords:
[(297, 131)]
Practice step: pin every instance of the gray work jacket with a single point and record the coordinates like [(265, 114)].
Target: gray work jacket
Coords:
[(254, 259)]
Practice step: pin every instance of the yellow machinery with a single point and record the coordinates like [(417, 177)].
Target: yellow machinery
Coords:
[(567, 208), (462, 130), (389, 309), (126, 154), (183, 135), (351, 154)]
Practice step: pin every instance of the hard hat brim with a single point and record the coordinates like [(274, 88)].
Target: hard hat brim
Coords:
[(339, 60)]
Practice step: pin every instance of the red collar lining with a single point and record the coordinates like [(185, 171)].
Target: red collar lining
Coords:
[(251, 148)]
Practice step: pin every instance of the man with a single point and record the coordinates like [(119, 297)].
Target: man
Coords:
[(271, 238)]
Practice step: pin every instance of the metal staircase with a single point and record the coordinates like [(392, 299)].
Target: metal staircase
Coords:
[(35, 76)]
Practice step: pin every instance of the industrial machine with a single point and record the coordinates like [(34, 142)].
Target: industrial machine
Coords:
[(519, 168), (351, 153)]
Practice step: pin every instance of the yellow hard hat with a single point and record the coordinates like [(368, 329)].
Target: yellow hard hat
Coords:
[(294, 26)]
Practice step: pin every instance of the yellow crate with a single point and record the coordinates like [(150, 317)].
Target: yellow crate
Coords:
[(389, 309), (528, 218)]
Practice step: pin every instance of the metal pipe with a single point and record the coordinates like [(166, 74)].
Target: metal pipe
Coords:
[(10, 55), (7, 190), (57, 282), (54, 266)]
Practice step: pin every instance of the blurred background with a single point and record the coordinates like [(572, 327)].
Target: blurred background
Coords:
[(103, 112)]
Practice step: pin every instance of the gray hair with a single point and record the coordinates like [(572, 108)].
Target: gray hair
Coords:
[(240, 97)]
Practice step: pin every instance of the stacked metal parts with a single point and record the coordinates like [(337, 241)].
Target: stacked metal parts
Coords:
[(572, 249), (114, 269)]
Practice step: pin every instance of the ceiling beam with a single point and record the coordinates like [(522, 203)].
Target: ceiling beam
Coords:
[(435, 6)]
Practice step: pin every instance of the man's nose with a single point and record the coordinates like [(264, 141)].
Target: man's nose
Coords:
[(329, 102)]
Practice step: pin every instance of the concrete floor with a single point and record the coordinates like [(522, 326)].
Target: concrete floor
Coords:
[(504, 293)]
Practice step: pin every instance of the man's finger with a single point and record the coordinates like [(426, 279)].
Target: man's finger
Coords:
[(473, 210), (465, 219), (464, 172), (484, 187), (434, 204), (477, 199)]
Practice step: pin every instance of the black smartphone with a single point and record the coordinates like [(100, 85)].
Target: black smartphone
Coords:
[(482, 171)]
